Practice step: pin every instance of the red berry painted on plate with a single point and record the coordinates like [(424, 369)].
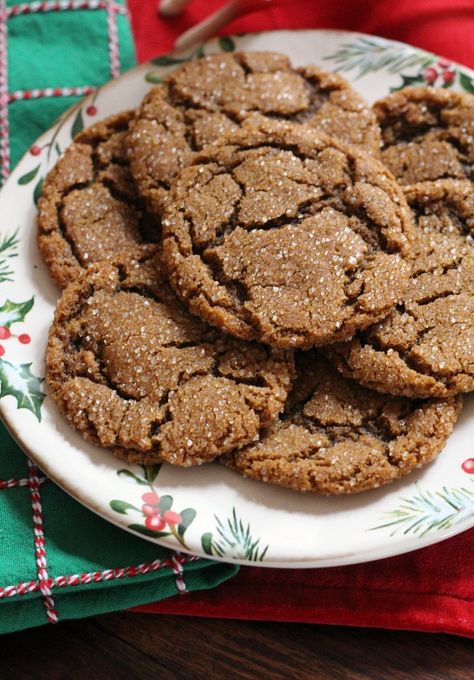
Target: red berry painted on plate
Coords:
[(444, 63), (91, 110), (150, 498), (149, 510), (448, 76), (155, 523), (24, 338), (430, 74), (35, 150), (4, 333), (2, 350), (172, 517), (468, 466)]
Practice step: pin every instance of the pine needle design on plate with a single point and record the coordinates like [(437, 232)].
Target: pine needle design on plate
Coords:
[(427, 511), (8, 249), (415, 67), (233, 539), (369, 54)]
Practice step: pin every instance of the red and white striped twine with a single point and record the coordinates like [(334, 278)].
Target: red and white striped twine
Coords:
[(40, 550), (62, 5), (114, 55), (178, 561), (4, 128), (98, 576), (50, 92), (12, 483)]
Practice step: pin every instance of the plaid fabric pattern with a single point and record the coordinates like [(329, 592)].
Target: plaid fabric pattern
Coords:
[(51, 54), (57, 559)]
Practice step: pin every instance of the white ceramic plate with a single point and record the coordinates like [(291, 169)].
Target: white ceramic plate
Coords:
[(211, 510)]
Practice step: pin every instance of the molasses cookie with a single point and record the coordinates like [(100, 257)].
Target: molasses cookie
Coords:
[(205, 98), (286, 237), (425, 347), (336, 437), (135, 373), (427, 134), (90, 209)]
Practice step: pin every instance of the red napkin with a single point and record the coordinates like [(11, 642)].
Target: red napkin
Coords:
[(442, 26), (428, 590)]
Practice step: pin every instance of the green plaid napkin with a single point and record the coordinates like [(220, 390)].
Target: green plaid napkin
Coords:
[(58, 560)]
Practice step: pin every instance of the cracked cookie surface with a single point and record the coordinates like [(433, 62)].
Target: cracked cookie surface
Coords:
[(427, 134), (206, 98), (135, 373), (337, 437), (425, 347), (90, 209), (285, 237)]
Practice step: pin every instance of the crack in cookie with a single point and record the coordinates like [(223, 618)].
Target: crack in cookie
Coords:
[(135, 373), (336, 437), (427, 134), (425, 347), (206, 98), (277, 235), (89, 209)]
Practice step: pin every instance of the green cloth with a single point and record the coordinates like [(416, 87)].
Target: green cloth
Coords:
[(65, 49), (57, 49)]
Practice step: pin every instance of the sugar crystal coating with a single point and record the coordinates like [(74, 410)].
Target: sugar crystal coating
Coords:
[(425, 346), (205, 98), (286, 237), (427, 133), (335, 437), (90, 209), (135, 373)]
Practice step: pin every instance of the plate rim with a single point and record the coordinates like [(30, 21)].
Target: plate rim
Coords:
[(392, 547)]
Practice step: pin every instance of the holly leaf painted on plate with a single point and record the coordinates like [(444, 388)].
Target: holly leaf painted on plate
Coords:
[(226, 44), (78, 124), (18, 381), (131, 476), (12, 312), (122, 507), (407, 81), (187, 517), (206, 542), (151, 472), (152, 77), (165, 503), (466, 82), (148, 532), (167, 60), (38, 190), (29, 176), (199, 53)]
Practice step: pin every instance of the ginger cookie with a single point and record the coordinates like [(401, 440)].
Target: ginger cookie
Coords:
[(427, 133), (206, 98), (425, 347), (336, 437), (135, 373), (90, 209), (285, 237)]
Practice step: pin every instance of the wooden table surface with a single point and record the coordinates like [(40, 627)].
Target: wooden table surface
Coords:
[(125, 646)]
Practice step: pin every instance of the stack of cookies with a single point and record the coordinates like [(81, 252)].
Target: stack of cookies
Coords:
[(260, 269)]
